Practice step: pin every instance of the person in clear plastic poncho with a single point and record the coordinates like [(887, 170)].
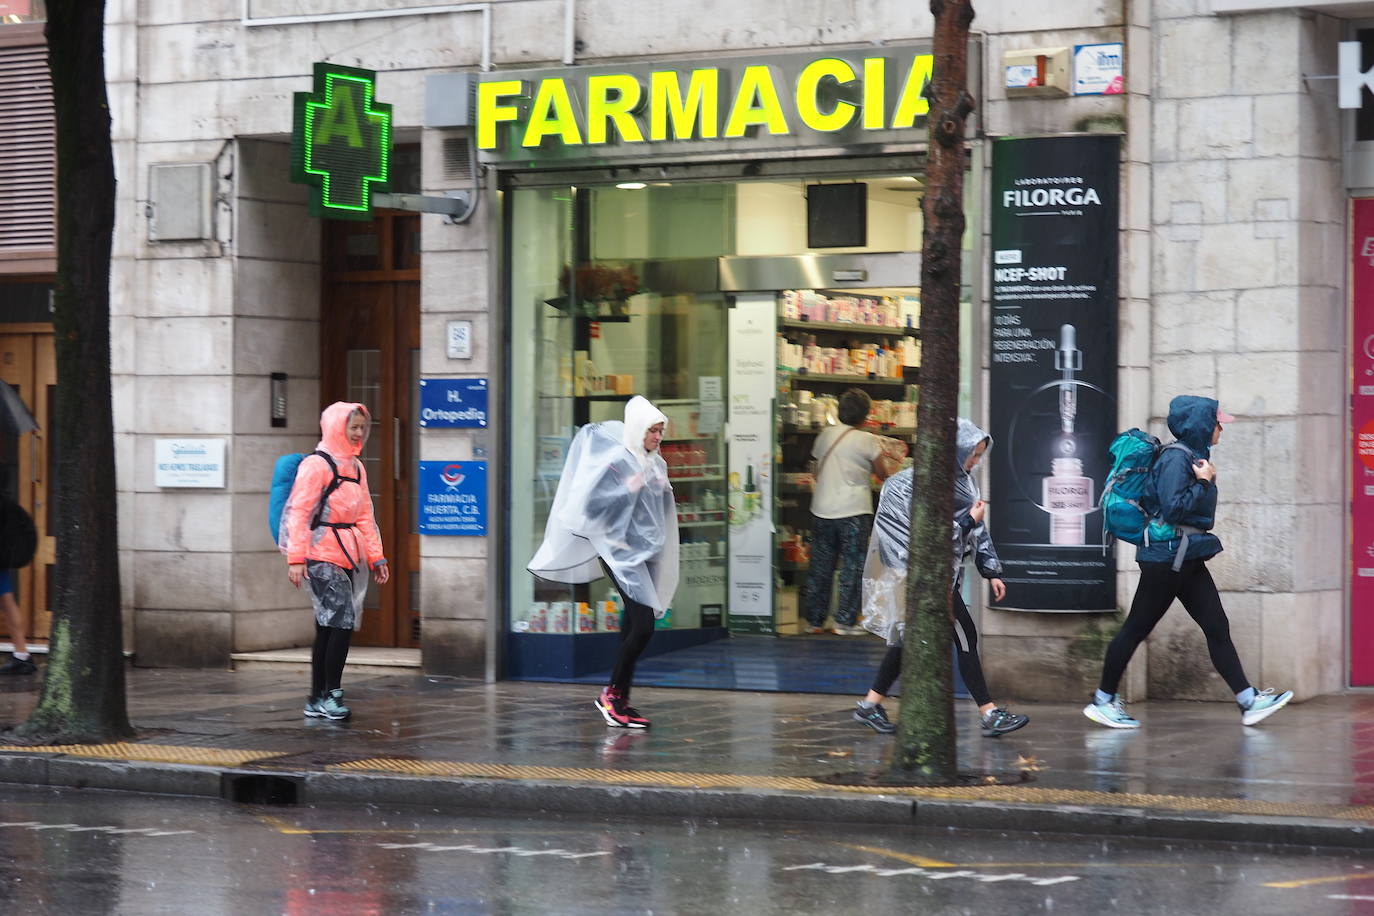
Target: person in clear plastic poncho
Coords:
[(884, 585), (614, 514)]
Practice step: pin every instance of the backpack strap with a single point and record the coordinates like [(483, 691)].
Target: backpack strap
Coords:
[(1183, 530), (337, 481)]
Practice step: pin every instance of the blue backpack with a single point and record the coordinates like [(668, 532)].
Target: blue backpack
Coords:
[(1129, 504), (284, 478)]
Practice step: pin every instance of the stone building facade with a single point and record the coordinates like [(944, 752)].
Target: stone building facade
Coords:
[(1232, 284)]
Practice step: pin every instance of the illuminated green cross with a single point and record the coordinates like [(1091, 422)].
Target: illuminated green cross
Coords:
[(341, 142)]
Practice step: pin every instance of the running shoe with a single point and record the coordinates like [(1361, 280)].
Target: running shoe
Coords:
[(331, 705), (612, 710), (1264, 705), (1001, 721), (634, 717), (1111, 714), (818, 631), (846, 630), (18, 666), (875, 717), (312, 708)]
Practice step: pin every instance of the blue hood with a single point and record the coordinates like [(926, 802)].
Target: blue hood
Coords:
[(1192, 420)]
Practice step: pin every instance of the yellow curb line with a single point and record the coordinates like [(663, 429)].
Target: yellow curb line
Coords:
[(1013, 794)]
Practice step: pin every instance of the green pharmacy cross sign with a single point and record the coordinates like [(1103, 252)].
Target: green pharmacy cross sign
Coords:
[(341, 142)]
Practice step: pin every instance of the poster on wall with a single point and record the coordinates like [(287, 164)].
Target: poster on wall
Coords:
[(1052, 381), (1362, 438), (750, 468)]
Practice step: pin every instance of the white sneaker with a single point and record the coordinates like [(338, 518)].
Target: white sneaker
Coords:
[(842, 630), (1111, 714), (1264, 705)]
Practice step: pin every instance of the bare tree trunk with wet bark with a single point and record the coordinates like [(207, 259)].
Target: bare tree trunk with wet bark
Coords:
[(83, 686), (926, 752)]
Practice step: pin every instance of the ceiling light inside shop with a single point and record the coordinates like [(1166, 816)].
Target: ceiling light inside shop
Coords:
[(906, 183), (632, 185)]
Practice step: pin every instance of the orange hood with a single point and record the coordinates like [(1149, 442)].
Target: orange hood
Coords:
[(334, 430)]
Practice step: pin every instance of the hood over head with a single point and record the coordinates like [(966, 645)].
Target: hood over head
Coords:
[(334, 429), (639, 416), (1191, 420), (967, 439)]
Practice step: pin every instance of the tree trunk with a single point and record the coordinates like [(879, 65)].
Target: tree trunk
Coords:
[(926, 752), (83, 687)]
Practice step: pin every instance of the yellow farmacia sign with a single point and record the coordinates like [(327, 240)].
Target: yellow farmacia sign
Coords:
[(825, 95)]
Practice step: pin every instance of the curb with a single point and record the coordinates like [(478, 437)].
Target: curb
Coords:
[(533, 796)]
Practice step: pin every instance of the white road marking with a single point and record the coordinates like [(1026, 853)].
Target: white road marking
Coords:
[(1347, 897), (491, 850), (77, 828), (933, 874)]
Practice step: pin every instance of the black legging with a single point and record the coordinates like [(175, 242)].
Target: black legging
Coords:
[(635, 629), (965, 648), (327, 658), (1159, 586)]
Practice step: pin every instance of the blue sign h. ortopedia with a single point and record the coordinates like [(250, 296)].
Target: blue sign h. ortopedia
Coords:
[(453, 403)]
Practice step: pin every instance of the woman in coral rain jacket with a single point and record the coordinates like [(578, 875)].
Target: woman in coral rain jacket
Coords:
[(332, 540)]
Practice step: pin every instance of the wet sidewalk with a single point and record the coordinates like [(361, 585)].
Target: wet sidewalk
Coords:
[(1192, 771)]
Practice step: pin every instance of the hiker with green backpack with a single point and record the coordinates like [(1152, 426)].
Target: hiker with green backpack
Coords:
[(330, 538), (1164, 500)]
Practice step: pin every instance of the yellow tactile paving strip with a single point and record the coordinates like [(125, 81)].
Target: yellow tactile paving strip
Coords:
[(151, 753), (1015, 794)]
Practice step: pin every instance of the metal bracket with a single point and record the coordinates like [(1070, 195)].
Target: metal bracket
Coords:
[(456, 205)]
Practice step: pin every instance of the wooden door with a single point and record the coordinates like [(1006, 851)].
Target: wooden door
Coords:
[(27, 363), (369, 352)]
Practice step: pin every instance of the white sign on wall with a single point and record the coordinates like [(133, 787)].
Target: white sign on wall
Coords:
[(189, 463), (1099, 69), (459, 339)]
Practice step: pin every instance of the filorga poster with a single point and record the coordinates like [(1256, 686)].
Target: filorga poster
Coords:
[(1052, 382)]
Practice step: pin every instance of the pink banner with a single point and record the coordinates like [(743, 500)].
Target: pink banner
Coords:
[(1362, 437), (15, 7)]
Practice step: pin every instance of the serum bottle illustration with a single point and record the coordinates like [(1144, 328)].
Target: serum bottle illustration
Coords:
[(1068, 495)]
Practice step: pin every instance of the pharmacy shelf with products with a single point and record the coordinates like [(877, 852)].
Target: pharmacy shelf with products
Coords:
[(829, 341)]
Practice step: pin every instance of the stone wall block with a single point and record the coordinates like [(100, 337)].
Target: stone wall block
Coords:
[(1220, 128), (1267, 318), (1259, 384), (444, 546), (1320, 194), (1230, 257), (185, 520), (1290, 655), (278, 289), (1323, 383), (1316, 469), (1175, 9), (125, 463), (1264, 53), (260, 582), (189, 405), (175, 639), (1139, 119), (1242, 463), (255, 631), (1281, 480), (280, 232), (1193, 57), (455, 589), (1133, 397), (1258, 554), (266, 345), (1276, 124), (1136, 247), (446, 445), (1041, 668), (455, 648), (1319, 558), (1195, 373), (171, 346), (123, 346), (184, 287), (1194, 322), (1175, 263), (180, 581), (1320, 254), (250, 470), (1164, 121), (264, 173), (454, 281), (1249, 181), (1134, 329)]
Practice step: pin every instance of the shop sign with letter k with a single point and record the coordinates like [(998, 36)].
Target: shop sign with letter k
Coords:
[(341, 142)]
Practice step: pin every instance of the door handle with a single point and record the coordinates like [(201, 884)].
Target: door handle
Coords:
[(395, 448)]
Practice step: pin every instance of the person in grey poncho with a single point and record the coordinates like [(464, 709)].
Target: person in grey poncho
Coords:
[(614, 514), (884, 586)]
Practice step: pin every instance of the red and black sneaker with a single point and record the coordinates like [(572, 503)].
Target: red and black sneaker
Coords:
[(612, 709), (633, 716)]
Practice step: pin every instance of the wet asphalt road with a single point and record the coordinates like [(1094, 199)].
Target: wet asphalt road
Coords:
[(75, 852)]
